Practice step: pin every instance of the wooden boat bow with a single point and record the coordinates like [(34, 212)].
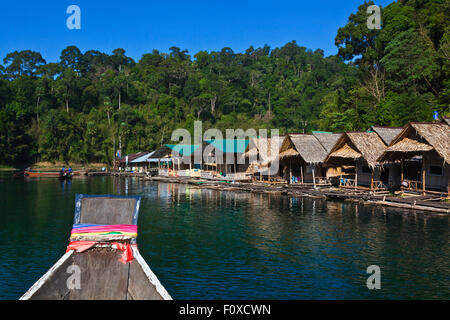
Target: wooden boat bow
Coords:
[(97, 273)]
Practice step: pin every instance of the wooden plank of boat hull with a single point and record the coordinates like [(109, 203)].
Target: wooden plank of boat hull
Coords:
[(104, 210), (103, 277), (52, 285), (143, 283)]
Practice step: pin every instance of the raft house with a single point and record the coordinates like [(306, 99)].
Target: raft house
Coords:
[(301, 160), (260, 154), (422, 151), (125, 163), (226, 155), (356, 154)]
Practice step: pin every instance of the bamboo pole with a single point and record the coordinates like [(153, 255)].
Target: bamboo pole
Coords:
[(423, 174), (371, 181), (402, 175), (301, 172), (290, 170), (314, 175)]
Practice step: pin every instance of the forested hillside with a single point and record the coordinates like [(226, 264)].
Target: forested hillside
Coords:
[(81, 107)]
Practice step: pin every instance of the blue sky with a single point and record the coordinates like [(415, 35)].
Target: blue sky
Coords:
[(141, 26)]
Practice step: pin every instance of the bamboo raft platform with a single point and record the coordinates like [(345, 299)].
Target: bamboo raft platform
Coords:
[(101, 275), (429, 203)]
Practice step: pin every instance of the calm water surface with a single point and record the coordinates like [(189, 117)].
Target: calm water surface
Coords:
[(205, 244)]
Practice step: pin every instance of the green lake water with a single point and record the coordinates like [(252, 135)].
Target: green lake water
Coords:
[(205, 244)]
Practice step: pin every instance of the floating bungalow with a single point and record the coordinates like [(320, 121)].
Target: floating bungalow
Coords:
[(141, 164), (177, 159), (227, 155), (423, 152), (328, 140), (163, 157), (125, 163), (356, 153), (301, 158), (260, 155)]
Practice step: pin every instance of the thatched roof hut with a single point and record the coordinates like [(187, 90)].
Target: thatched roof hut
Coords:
[(268, 149), (417, 138), (353, 146), (307, 146), (327, 139), (387, 134)]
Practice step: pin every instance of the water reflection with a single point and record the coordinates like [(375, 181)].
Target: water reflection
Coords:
[(208, 244), (66, 185), (312, 248)]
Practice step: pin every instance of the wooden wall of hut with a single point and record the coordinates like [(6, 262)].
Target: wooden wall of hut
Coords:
[(394, 178), (436, 173)]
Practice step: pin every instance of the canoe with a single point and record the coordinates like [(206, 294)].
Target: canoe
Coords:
[(96, 274), (33, 174), (49, 174)]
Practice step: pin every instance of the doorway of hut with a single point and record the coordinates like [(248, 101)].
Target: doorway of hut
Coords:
[(384, 175), (412, 169)]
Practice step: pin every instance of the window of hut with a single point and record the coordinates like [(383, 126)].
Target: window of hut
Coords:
[(436, 170)]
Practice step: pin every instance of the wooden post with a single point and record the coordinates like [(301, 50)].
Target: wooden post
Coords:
[(371, 181), (423, 174), (401, 175), (356, 175), (314, 175), (301, 172), (290, 170), (448, 181)]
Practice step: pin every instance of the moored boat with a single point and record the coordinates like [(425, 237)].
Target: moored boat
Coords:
[(102, 261), (34, 174)]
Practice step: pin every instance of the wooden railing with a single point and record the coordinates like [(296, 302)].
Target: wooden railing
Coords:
[(270, 179), (163, 172), (237, 176), (378, 185), (413, 186), (183, 173), (322, 180), (347, 183)]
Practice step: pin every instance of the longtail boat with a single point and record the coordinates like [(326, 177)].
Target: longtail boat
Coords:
[(49, 174), (34, 174), (102, 261)]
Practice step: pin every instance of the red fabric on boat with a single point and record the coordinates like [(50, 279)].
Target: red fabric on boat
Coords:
[(80, 246), (127, 255)]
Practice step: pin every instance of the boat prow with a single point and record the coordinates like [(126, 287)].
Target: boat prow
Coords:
[(102, 277), (97, 273)]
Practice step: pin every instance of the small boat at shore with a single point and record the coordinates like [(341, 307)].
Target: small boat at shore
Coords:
[(102, 261), (49, 174), (35, 174)]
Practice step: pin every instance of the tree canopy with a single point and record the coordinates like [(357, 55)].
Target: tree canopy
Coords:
[(87, 105)]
